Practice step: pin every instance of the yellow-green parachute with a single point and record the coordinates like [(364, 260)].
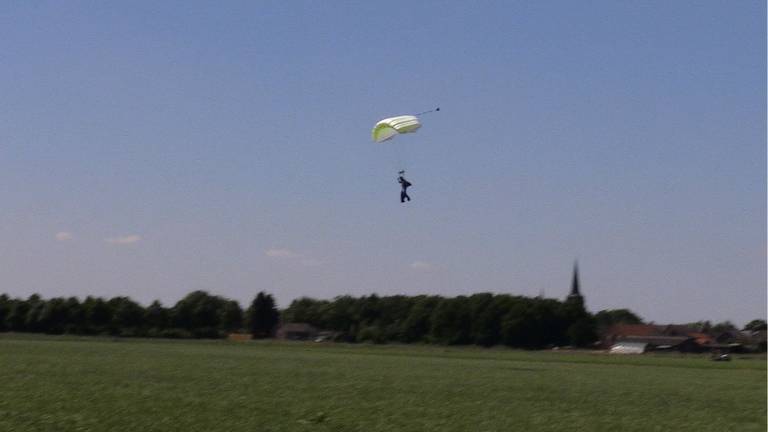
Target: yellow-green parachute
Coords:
[(386, 129)]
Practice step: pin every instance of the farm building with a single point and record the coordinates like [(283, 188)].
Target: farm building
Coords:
[(620, 332), (666, 343), (659, 338), (628, 348), (296, 331)]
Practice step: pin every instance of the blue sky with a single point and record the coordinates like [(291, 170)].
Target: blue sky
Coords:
[(152, 148)]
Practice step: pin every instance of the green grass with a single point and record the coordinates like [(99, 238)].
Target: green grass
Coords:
[(81, 384)]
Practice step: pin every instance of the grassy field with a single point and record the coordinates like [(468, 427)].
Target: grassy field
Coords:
[(71, 384)]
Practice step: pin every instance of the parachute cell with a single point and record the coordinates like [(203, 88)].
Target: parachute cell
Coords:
[(386, 129)]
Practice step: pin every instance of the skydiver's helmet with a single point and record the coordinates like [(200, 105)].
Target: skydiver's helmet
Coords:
[(401, 172)]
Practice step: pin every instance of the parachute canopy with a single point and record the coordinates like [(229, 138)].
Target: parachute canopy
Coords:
[(386, 129)]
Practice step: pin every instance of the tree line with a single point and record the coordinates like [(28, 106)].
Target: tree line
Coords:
[(483, 319), (198, 315)]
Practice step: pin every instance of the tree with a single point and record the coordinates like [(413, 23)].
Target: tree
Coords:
[(156, 316), (128, 316), (536, 323), (755, 325), (370, 334), (75, 321), (370, 309), (393, 311), (701, 326), (306, 310), (32, 320), (725, 326), (5, 310), (199, 313), (609, 317), (582, 333), (418, 323), (517, 326), (17, 316), (341, 315), (486, 316), (231, 316), (98, 315), (263, 315), (452, 321), (52, 317)]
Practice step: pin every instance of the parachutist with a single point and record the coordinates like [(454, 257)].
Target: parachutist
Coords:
[(404, 184)]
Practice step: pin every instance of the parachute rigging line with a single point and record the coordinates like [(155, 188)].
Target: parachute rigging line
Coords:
[(430, 111)]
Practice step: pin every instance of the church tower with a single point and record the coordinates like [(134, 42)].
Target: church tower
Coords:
[(575, 298)]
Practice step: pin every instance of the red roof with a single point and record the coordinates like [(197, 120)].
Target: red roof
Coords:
[(635, 330), (680, 330), (702, 338)]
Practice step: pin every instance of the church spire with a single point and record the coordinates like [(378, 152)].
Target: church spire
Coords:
[(575, 296), (575, 281)]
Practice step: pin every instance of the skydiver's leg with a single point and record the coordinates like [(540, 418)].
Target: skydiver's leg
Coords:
[(402, 196)]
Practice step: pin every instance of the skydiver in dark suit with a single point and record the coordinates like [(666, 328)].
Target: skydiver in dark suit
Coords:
[(404, 184)]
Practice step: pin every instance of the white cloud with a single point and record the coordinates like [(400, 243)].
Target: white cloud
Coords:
[(281, 253), (123, 240), (63, 236), (422, 265)]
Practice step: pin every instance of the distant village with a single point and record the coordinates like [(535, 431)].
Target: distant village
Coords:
[(482, 319), (622, 332)]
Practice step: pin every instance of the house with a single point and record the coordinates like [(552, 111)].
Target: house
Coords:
[(296, 331), (628, 348), (703, 339), (658, 337), (732, 337), (666, 343), (620, 332), (738, 341), (758, 340)]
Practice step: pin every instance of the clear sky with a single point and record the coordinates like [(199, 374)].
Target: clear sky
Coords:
[(153, 148)]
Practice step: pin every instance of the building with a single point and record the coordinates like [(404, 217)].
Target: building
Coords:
[(660, 338), (296, 331), (574, 297), (628, 348)]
